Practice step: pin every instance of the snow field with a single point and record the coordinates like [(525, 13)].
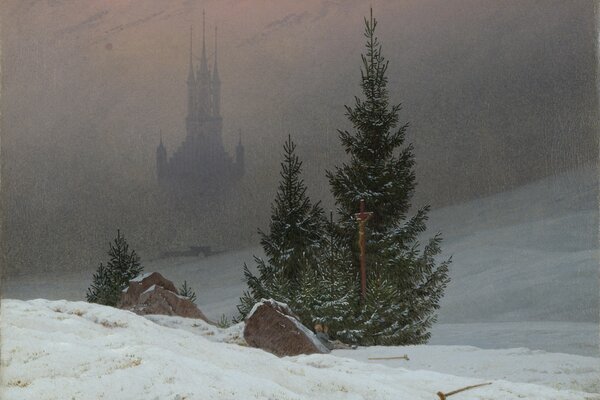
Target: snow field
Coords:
[(529, 254), (75, 350)]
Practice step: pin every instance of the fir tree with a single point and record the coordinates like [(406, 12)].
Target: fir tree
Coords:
[(187, 291), (100, 290), (404, 285), (109, 281), (329, 291), (292, 241), (294, 230)]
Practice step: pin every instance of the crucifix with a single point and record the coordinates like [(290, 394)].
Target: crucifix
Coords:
[(362, 218)]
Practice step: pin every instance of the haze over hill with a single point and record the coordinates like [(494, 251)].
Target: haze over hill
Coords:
[(497, 95)]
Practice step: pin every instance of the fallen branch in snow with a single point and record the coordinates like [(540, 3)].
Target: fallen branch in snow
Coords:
[(443, 396), (404, 357)]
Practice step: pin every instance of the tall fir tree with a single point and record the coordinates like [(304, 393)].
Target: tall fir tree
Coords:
[(404, 281), (295, 226), (292, 241), (109, 281), (329, 291)]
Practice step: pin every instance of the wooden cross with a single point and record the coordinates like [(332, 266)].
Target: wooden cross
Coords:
[(362, 218)]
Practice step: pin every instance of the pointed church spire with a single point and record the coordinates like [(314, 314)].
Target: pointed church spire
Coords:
[(203, 60), (203, 96), (216, 84), (215, 70), (191, 77), (161, 159), (191, 86)]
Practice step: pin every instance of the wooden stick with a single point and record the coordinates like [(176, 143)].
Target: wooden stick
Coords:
[(443, 396), (404, 357)]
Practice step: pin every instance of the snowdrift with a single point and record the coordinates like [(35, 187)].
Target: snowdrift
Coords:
[(76, 350)]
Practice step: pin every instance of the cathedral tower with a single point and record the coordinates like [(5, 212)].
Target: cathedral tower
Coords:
[(201, 160)]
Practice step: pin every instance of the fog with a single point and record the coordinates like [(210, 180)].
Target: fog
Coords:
[(498, 94)]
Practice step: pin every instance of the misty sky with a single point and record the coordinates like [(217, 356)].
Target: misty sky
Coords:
[(497, 94)]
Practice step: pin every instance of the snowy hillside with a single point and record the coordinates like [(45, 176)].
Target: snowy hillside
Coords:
[(525, 267), (530, 254), (75, 350)]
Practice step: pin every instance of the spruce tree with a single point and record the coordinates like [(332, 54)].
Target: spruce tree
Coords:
[(329, 291), (404, 282), (109, 281), (292, 241), (186, 291), (100, 290)]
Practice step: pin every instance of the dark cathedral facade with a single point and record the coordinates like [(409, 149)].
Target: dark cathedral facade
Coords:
[(201, 161)]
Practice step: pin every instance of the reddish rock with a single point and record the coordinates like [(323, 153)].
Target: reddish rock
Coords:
[(152, 293), (140, 284), (273, 327)]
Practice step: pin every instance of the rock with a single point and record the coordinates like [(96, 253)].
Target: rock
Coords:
[(140, 284), (273, 327), (152, 293)]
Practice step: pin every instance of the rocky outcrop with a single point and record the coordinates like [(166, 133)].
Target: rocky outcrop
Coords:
[(273, 327), (152, 293)]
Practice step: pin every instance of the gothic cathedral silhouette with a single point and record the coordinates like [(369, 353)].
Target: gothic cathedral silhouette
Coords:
[(201, 162)]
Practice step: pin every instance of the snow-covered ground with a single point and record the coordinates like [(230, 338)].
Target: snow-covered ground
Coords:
[(556, 337), (530, 254), (76, 350)]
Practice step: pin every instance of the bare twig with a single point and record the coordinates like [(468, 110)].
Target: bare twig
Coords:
[(404, 357), (443, 396)]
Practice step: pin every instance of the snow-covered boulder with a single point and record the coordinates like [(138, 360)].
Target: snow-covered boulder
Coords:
[(273, 327), (152, 293)]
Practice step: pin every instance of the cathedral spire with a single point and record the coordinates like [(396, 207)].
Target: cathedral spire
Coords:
[(191, 53), (203, 60), (191, 77), (191, 84), (161, 159), (216, 84), (215, 71), (203, 96)]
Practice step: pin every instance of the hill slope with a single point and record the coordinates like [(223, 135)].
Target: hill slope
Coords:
[(523, 255)]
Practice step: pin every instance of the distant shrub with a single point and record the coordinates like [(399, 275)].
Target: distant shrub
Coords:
[(187, 291)]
